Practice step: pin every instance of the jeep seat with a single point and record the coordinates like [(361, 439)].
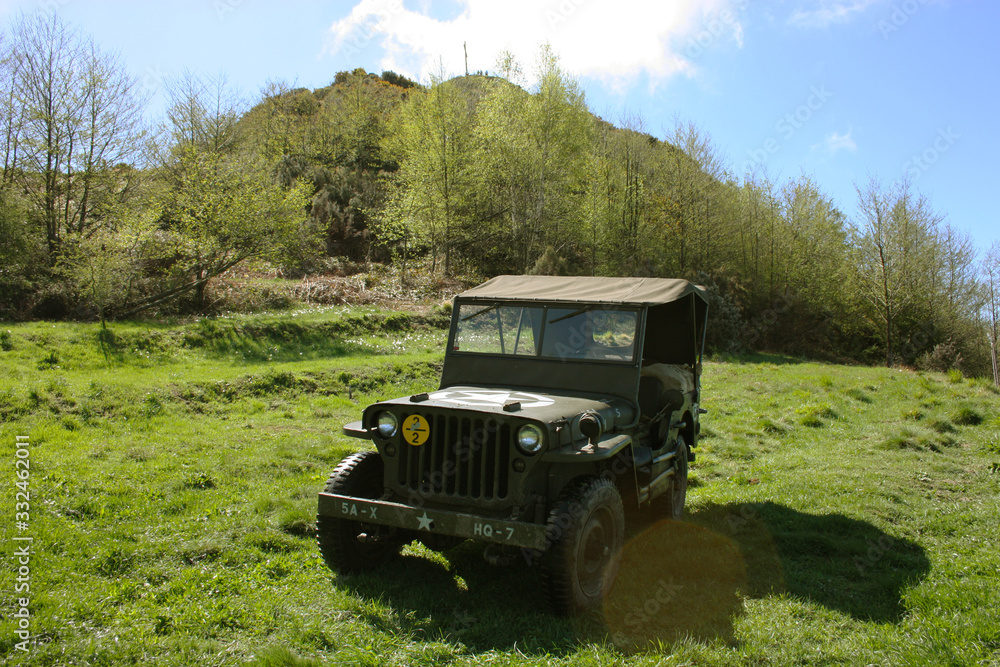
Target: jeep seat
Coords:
[(661, 392)]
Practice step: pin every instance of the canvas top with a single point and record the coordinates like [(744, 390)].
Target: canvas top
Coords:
[(585, 289)]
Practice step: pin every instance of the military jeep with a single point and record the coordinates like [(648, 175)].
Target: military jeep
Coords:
[(564, 402)]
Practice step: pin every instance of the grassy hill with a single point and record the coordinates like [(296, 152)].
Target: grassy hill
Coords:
[(837, 515)]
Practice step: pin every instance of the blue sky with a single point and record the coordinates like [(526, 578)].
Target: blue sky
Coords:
[(835, 89)]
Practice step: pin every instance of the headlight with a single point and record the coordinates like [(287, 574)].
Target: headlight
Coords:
[(529, 438), (387, 424)]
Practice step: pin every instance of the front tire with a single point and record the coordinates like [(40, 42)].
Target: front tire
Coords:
[(358, 475), (586, 532)]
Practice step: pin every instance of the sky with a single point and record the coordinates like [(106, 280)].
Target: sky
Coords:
[(837, 90)]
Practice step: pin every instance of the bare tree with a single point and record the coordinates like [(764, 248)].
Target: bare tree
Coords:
[(111, 129), (622, 168), (203, 112), (75, 114), (221, 205), (894, 232), (991, 272), (697, 171), (11, 112), (49, 53)]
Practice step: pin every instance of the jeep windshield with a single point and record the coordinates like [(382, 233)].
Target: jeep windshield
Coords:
[(553, 332)]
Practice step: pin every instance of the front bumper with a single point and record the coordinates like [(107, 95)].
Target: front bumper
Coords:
[(445, 522)]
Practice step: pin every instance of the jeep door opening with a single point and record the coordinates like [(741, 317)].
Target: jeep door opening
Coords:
[(564, 402)]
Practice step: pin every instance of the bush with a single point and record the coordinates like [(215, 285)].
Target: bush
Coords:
[(944, 358), (966, 416), (726, 323), (48, 362)]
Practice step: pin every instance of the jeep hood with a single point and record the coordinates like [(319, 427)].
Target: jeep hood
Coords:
[(516, 403)]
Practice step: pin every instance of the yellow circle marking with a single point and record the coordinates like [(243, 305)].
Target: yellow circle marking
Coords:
[(416, 430)]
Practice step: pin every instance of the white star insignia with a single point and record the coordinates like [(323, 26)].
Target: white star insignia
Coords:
[(490, 398), (425, 522)]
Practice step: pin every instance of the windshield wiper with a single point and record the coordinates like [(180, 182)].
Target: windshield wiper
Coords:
[(480, 312), (573, 314)]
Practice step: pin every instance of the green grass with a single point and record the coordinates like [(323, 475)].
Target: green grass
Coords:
[(837, 515)]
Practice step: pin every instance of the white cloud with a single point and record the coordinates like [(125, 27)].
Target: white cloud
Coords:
[(826, 12), (836, 142), (614, 44)]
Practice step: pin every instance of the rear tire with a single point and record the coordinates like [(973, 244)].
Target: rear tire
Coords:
[(358, 475), (670, 505), (586, 531)]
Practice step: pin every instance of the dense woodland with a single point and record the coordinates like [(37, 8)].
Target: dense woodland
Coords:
[(108, 213)]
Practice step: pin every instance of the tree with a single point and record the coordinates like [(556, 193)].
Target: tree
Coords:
[(358, 109), (220, 204), (22, 252), (221, 212), (814, 244), (81, 116), (755, 239), (433, 139), (11, 111), (991, 273), (337, 138), (892, 239), (106, 268), (695, 171), (203, 112), (621, 202), (531, 160)]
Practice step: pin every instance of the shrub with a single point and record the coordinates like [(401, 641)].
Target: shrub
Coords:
[(48, 362), (768, 425), (942, 426), (813, 415), (199, 480), (966, 416), (726, 321), (943, 358), (859, 395)]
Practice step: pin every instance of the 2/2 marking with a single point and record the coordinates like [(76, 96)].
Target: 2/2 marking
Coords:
[(416, 430)]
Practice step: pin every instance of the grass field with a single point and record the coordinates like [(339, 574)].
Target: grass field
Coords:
[(837, 515)]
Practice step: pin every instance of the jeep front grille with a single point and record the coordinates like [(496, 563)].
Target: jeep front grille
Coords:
[(464, 457)]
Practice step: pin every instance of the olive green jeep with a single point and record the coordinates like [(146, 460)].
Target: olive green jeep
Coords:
[(564, 402)]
